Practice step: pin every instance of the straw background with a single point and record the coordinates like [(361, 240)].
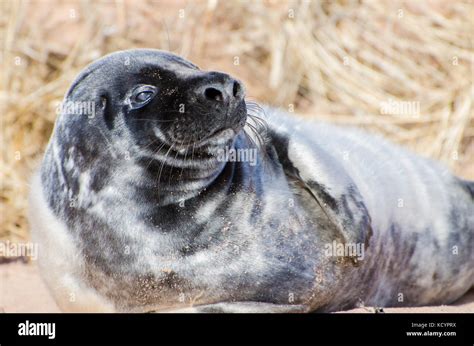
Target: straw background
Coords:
[(339, 61)]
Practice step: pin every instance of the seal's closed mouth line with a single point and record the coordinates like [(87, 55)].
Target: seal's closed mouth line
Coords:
[(219, 136)]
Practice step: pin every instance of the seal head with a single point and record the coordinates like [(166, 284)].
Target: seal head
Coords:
[(156, 108)]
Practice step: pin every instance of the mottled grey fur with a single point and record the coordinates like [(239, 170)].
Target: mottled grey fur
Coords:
[(147, 231)]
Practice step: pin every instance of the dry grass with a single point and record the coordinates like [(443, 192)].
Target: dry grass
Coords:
[(336, 60)]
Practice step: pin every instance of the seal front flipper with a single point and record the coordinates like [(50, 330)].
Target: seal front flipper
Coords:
[(312, 169)]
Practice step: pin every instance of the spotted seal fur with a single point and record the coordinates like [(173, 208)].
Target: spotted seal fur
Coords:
[(135, 209)]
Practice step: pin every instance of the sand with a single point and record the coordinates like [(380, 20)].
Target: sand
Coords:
[(22, 290)]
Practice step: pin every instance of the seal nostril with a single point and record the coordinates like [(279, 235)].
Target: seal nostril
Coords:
[(236, 90), (213, 94)]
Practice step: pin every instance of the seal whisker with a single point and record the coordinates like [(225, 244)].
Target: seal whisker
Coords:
[(254, 106), (257, 134), (154, 153), (249, 137), (154, 141), (194, 146), (163, 163), (185, 158), (171, 168)]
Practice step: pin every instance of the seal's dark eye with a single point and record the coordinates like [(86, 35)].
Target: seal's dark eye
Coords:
[(142, 95)]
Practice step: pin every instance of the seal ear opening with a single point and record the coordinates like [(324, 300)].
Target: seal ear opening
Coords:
[(108, 115)]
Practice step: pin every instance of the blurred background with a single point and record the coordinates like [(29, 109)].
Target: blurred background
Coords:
[(402, 69)]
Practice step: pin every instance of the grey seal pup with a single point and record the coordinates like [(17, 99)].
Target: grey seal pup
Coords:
[(162, 189)]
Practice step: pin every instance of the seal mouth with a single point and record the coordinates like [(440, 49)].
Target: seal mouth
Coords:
[(207, 145), (217, 138), (199, 137)]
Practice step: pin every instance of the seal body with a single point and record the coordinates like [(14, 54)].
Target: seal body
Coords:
[(137, 209)]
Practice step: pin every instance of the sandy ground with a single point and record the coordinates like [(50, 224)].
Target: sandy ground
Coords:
[(22, 290)]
